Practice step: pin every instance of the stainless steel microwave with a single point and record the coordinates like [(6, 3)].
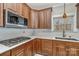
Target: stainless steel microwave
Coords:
[(13, 20)]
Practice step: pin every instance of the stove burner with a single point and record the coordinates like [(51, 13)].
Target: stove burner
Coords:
[(14, 41)]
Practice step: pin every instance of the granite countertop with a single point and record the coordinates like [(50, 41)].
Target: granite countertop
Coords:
[(5, 48)]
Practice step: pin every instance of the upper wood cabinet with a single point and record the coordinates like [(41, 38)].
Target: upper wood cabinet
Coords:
[(11, 6), (15, 7), (25, 11), (1, 14), (41, 19), (45, 18), (19, 8), (34, 19)]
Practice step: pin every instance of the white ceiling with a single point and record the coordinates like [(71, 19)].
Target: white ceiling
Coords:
[(39, 6)]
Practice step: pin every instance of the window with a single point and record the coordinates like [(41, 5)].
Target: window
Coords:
[(59, 23)]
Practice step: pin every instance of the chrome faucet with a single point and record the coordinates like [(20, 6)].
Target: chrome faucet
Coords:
[(64, 35)]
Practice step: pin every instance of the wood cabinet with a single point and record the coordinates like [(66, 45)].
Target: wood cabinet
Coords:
[(46, 47), (19, 9), (14, 7), (34, 46), (62, 48), (34, 19), (72, 48), (41, 19), (1, 15), (29, 48), (59, 48), (39, 46), (18, 51), (11, 6), (23, 50), (25, 11), (5, 53), (45, 18)]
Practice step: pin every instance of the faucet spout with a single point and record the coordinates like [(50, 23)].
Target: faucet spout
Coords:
[(64, 33)]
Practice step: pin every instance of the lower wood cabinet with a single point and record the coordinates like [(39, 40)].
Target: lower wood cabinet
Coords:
[(18, 51), (46, 47), (59, 48), (62, 48), (34, 46), (39, 46), (5, 53), (29, 48)]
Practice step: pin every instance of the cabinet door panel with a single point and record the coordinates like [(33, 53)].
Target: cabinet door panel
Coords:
[(39, 46), (5, 53), (19, 8), (1, 14), (11, 6), (18, 51), (47, 47), (29, 48), (45, 18), (34, 46)]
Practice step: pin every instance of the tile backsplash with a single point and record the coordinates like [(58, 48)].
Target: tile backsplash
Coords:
[(7, 33)]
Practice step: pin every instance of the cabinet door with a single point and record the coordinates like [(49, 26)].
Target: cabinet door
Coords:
[(45, 19), (39, 46), (18, 51), (59, 48), (34, 19), (41, 17), (72, 48), (29, 48), (34, 46), (11, 6), (19, 8), (47, 47), (25, 11), (5, 53), (1, 14)]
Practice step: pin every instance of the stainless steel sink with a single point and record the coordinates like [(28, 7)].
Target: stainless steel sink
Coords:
[(67, 38)]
